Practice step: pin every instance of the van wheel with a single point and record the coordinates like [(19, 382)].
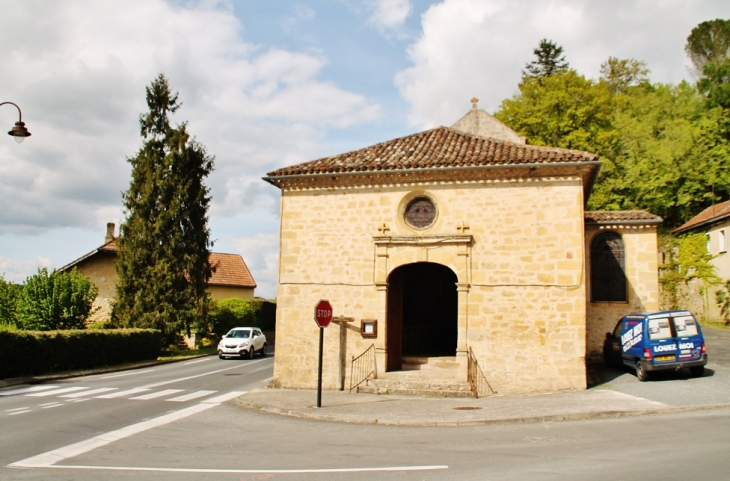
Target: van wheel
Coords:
[(697, 371), (641, 373)]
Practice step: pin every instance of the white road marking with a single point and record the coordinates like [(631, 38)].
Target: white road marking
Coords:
[(128, 392), (193, 395), (78, 400), (195, 362), (89, 393), (225, 397), (54, 405), (157, 394), (26, 390), (56, 391), (242, 471), (16, 409), (49, 458), (127, 374), (48, 404), (19, 412), (201, 375)]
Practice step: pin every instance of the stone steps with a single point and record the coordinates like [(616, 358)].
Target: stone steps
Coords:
[(421, 376), (412, 387)]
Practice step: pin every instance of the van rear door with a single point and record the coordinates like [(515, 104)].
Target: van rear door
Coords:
[(661, 339), (689, 337)]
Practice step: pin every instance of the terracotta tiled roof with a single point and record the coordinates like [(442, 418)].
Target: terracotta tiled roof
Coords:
[(230, 270), (712, 214), (436, 148), (621, 217)]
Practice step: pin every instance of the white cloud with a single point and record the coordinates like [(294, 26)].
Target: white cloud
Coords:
[(262, 260), (479, 47), (78, 71), (389, 14), (17, 272)]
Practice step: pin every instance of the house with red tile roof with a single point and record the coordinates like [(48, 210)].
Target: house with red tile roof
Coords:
[(454, 251), (231, 277), (714, 222)]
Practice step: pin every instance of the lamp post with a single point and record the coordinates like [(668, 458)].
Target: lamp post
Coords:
[(19, 131)]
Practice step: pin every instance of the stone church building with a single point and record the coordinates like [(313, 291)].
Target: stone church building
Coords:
[(451, 243)]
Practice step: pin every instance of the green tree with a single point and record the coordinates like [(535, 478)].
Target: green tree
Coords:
[(708, 43), (9, 294), (59, 300), (620, 74), (163, 259), (562, 110), (549, 60), (686, 259), (722, 297)]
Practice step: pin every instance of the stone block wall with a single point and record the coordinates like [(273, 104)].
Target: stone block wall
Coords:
[(100, 269), (522, 294), (642, 275)]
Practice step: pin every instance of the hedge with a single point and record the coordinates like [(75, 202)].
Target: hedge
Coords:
[(234, 312), (31, 353)]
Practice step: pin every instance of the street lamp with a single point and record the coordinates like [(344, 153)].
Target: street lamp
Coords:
[(19, 131)]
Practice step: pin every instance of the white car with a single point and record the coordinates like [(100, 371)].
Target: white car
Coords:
[(242, 342)]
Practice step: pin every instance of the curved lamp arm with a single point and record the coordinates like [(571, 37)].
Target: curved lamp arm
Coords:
[(19, 131)]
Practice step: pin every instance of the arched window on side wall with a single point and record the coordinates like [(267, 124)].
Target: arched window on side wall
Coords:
[(608, 275)]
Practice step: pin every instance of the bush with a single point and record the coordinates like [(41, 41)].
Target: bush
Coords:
[(234, 312), (59, 300), (30, 353), (9, 294)]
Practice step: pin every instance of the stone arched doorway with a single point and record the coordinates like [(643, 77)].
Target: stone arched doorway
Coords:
[(422, 313)]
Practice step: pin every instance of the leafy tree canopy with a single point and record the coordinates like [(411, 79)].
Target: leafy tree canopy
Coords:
[(709, 43), (622, 74), (661, 149), (56, 300), (549, 60), (163, 260)]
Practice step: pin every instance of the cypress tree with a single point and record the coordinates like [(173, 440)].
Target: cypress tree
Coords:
[(163, 251)]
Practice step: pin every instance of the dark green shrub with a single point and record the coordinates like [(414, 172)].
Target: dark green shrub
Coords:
[(30, 353)]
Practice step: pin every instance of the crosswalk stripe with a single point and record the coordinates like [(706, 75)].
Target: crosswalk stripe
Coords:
[(56, 391), (157, 394), (89, 393), (128, 392), (192, 395), (225, 397), (26, 390)]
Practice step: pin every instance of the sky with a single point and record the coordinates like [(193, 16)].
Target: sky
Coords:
[(264, 85)]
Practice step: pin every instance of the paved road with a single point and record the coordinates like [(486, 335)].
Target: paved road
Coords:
[(228, 443), (39, 418)]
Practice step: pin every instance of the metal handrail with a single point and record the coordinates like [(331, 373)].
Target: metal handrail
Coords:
[(477, 380), (362, 367)]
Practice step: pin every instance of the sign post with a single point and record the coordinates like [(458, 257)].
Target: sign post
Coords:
[(323, 317)]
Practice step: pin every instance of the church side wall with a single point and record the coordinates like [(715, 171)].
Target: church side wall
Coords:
[(525, 319), (642, 276)]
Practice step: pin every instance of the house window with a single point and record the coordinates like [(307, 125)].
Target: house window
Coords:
[(722, 241), (608, 276)]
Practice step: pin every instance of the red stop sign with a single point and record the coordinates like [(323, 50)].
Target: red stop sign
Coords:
[(323, 313)]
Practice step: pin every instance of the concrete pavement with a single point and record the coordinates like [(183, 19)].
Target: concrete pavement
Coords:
[(342, 406)]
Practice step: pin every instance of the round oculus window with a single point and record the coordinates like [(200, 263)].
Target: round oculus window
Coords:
[(420, 213)]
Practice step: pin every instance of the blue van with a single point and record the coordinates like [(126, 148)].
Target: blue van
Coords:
[(656, 341)]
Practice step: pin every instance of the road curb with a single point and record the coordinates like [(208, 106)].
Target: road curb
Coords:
[(547, 418)]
